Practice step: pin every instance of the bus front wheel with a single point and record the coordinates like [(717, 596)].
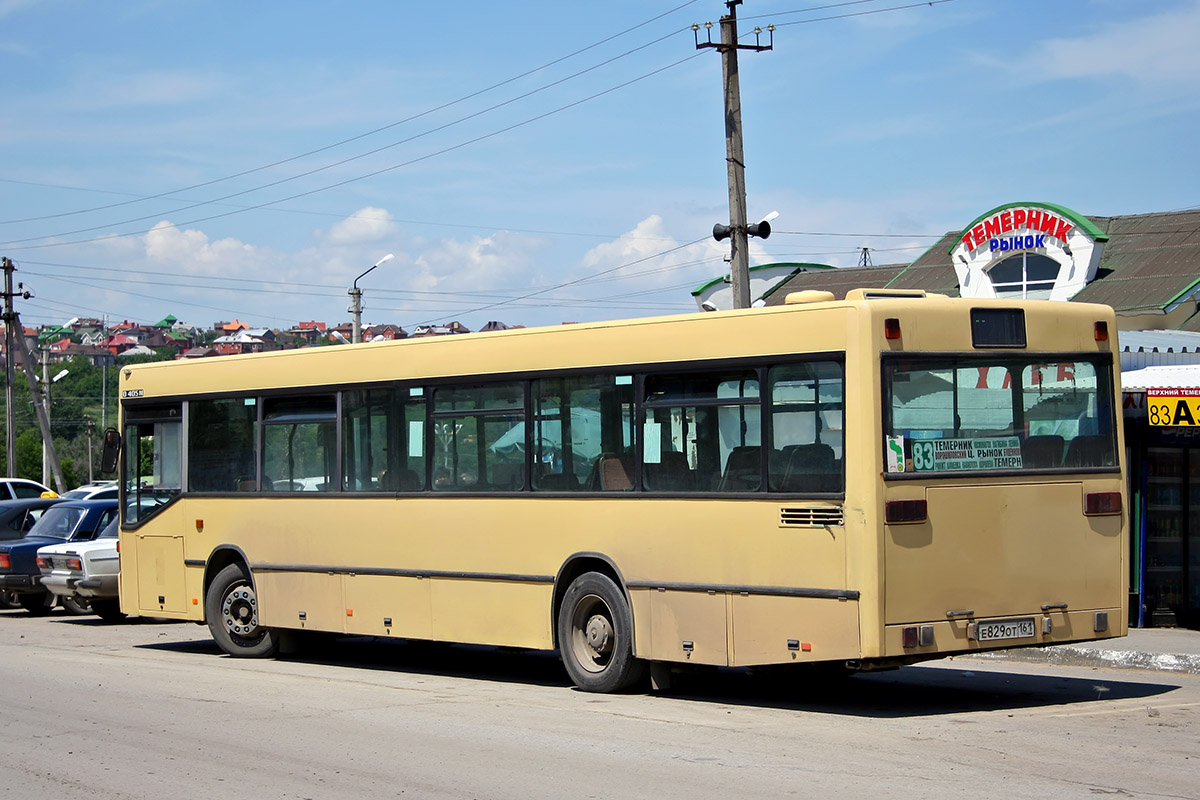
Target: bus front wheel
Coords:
[(231, 608), (595, 635)]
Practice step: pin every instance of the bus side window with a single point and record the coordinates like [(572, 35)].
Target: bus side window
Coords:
[(222, 443), (806, 403), (299, 443), (582, 427), (702, 432), (479, 438)]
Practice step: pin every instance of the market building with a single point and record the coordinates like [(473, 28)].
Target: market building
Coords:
[(1147, 268)]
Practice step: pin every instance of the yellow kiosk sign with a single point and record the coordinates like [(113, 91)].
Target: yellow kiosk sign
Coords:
[(1173, 407)]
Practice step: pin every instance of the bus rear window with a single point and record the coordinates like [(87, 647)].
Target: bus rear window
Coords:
[(946, 415)]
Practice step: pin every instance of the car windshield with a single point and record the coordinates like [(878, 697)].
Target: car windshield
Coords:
[(58, 521), (75, 494)]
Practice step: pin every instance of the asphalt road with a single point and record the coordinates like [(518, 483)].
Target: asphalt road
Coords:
[(152, 710)]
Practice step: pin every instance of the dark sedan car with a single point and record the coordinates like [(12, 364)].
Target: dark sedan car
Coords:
[(69, 521), (16, 518)]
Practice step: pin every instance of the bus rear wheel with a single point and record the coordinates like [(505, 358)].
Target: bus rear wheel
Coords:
[(231, 608), (595, 635), (108, 610)]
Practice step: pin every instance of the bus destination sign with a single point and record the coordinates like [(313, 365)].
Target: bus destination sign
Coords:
[(1178, 408), (953, 455)]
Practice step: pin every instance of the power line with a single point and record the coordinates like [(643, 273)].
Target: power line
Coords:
[(861, 235), (341, 215), (360, 156), (9, 244), (391, 168), (847, 16), (580, 280), (427, 112)]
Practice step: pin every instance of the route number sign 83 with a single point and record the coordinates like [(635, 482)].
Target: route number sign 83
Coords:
[(922, 455), (1173, 411)]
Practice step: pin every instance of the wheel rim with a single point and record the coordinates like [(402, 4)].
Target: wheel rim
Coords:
[(593, 635), (239, 615)]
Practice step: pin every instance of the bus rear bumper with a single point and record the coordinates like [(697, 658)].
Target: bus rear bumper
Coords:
[(921, 641)]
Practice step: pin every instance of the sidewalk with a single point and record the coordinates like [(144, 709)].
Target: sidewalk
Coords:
[(1170, 649)]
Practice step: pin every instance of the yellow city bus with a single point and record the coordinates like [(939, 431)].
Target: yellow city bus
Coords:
[(869, 482)]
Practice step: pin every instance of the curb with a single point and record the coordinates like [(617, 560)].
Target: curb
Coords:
[(1076, 656)]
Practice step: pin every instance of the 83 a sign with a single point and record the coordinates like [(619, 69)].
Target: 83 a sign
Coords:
[(1173, 407)]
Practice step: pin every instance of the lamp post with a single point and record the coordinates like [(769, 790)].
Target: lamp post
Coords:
[(47, 382), (356, 300)]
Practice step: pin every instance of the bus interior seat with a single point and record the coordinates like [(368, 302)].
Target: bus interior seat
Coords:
[(810, 467), (610, 475), (1089, 450), (670, 474), (742, 470), (507, 477), (614, 476), (557, 482), (1042, 451), (246, 484), (406, 480)]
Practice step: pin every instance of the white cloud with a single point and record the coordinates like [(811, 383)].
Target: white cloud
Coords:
[(483, 262), (649, 254), (368, 224), (192, 252), (1154, 49)]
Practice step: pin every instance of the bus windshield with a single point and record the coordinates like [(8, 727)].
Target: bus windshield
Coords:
[(952, 414)]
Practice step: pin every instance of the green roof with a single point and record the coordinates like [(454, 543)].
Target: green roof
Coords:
[(798, 267)]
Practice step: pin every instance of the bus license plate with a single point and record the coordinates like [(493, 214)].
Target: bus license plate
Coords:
[(994, 630)]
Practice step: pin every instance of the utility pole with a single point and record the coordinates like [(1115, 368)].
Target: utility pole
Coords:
[(355, 310), (737, 231), (14, 340), (39, 404), (104, 379), (10, 423), (91, 427)]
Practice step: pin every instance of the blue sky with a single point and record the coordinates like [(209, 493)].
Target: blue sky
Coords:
[(545, 162)]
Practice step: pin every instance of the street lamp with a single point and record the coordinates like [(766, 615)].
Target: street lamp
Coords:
[(356, 300), (47, 382)]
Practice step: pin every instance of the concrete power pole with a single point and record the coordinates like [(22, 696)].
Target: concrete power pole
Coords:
[(14, 340), (10, 423), (737, 231)]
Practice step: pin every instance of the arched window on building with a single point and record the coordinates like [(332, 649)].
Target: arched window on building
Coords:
[(1026, 275)]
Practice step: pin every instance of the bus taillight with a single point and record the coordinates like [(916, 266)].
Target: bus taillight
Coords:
[(1101, 331), (1095, 503), (891, 328), (901, 511)]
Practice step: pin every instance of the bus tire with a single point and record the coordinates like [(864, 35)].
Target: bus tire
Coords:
[(231, 608), (108, 610), (595, 635)]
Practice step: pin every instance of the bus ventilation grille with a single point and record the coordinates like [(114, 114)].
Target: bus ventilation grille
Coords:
[(812, 517)]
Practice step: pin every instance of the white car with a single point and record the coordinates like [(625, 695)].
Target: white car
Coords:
[(85, 572), (20, 489), (102, 490)]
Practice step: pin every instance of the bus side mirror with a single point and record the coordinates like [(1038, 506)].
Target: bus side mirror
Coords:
[(112, 449)]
